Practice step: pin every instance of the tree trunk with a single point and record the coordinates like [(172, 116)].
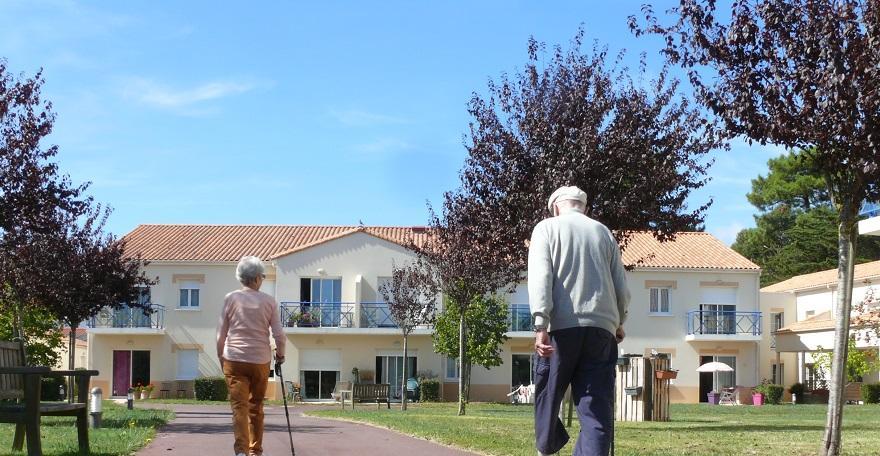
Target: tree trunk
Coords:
[(462, 362), (403, 380), (71, 346), (836, 394)]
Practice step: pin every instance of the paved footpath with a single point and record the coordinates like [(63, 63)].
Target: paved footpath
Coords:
[(206, 430)]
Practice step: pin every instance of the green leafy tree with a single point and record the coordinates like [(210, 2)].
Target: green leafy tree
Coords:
[(38, 328), (487, 319), (858, 362), (792, 181)]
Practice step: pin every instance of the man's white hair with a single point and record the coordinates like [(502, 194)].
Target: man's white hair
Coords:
[(571, 205), (248, 269)]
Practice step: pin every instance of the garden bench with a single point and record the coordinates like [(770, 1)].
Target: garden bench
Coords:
[(369, 392), (20, 393)]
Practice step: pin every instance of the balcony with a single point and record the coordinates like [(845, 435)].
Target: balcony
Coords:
[(734, 326), (519, 318), (127, 321), (871, 224), (317, 314)]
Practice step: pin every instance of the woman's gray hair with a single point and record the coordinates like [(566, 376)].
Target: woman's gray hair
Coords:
[(248, 269)]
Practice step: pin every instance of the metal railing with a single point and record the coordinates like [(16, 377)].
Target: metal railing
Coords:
[(317, 314), (376, 315), (870, 210), (519, 317), (129, 318), (710, 322)]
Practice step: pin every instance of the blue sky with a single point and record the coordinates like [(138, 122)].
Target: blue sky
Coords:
[(323, 113)]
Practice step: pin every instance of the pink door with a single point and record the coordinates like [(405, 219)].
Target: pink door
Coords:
[(121, 372)]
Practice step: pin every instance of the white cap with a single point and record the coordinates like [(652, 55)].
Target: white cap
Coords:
[(566, 193)]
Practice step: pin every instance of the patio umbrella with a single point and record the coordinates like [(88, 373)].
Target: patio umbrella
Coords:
[(714, 366)]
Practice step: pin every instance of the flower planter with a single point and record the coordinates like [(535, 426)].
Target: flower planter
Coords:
[(145, 395), (666, 374), (633, 390), (757, 399), (712, 397)]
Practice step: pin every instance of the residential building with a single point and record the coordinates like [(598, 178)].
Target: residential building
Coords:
[(811, 325), (693, 298)]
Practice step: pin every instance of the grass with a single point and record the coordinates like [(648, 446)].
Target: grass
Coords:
[(695, 429), (123, 432)]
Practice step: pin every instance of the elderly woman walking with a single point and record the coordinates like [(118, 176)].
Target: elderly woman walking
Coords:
[(244, 352)]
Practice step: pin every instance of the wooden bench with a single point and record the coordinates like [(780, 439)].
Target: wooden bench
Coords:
[(368, 392), (20, 396)]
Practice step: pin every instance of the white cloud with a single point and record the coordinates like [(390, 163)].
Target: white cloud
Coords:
[(382, 146), (359, 118), (154, 94)]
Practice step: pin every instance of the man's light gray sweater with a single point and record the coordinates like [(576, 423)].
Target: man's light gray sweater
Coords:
[(576, 277)]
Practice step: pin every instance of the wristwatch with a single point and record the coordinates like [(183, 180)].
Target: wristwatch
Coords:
[(540, 328)]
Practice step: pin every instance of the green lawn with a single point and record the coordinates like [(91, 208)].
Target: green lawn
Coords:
[(123, 432), (501, 429)]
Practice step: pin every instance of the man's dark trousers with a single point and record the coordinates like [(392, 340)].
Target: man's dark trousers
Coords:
[(585, 358)]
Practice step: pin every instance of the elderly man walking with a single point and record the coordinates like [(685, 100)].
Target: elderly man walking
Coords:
[(579, 298)]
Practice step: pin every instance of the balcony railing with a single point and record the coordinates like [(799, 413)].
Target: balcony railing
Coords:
[(129, 318), (870, 210), (731, 323), (376, 315), (519, 317), (317, 314)]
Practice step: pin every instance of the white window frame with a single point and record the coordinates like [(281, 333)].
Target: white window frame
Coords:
[(189, 286), (659, 294), (456, 369)]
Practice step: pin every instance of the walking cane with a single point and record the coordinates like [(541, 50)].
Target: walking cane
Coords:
[(286, 412)]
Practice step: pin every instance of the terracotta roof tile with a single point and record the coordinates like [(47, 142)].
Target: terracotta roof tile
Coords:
[(689, 250), (823, 278), (228, 243), (824, 322)]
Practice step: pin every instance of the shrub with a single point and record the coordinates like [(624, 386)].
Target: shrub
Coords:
[(211, 389), (429, 389), (871, 393), (50, 389), (772, 393), (798, 390)]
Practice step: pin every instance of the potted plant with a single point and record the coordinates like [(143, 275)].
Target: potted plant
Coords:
[(147, 391), (758, 394), (138, 389), (666, 374), (355, 374)]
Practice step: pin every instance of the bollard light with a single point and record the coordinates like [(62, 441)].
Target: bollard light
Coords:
[(131, 398), (61, 392), (793, 398), (95, 398)]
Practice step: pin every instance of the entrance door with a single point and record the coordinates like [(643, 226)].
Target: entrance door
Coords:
[(130, 368), (319, 384), (705, 379), (521, 370)]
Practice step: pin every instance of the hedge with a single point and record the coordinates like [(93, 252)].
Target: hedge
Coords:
[(871, 393), (774, 394), (429, 389), (798, 389), (211, 389)]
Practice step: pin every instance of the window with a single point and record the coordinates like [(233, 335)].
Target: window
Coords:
[(810, 314), (452, 368), (389, 369), (776, 322), (187, 364), (777, 374), (659, 301), (189, 295)]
